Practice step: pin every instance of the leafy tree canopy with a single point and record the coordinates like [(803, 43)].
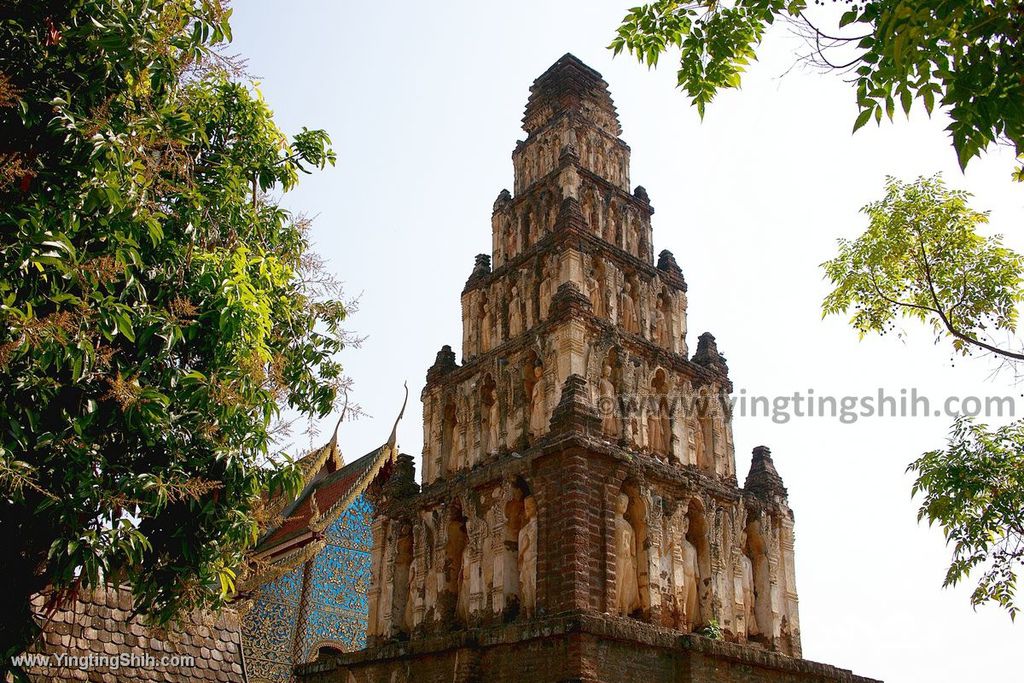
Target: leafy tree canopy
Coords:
[(922, 257), (157, 307), (967, 56), (974, 490)]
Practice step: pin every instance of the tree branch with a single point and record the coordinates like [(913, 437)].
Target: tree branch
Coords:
[(896, 302), (945, 319), (835, 38)]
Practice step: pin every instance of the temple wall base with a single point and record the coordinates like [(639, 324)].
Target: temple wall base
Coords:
[(580, 648)]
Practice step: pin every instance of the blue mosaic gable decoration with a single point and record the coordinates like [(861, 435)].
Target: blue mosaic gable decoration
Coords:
[(283, 628), (339, 578), (309, 588)]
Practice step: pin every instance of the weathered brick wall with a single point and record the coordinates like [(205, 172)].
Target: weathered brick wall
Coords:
[(572, 545), (578, 649)]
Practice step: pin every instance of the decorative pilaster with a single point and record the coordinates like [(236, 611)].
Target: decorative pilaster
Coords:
[(574, 411)]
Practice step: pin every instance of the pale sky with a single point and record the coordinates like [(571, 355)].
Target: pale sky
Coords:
[(423, 102)]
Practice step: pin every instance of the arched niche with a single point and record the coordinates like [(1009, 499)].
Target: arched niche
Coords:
[(404, 582), (630, 304), (614, 221), (591, 211), (636, 515), (698, 534), (608, 394), (524, 227), (485, 323), (664, 334), (614, 361), (659, 426), (549, 211), (757, 550), (456, 579), (515, 518), (599, 288), (706, 431), (449, 435), (490, 417), (532, 376), (428, 538)]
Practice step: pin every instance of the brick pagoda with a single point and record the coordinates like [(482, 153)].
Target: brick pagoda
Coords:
[(579, 516)]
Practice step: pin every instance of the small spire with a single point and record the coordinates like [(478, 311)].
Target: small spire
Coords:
[(481, 268), (402, 482), (504, 197), (707, 353), (667, 263), (444, 363), (763, 479)]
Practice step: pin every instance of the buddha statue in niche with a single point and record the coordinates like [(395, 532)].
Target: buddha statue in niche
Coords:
[(627, 591), (527, 559), (538, 411), (688, 596), (627, 311), (608, 404), (745, 588), (491, 423), (515, 314)]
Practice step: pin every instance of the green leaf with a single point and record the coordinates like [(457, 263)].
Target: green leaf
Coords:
[(929, 100), (906, 100), (862, 118)]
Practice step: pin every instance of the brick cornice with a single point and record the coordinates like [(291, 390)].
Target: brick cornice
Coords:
[(603, 627), (581, 239)]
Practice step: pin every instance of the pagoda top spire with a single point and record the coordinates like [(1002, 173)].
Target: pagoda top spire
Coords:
[(570, 86)]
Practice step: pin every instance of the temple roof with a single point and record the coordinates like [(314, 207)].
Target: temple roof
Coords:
[(97, 624), (570, 85), (329, 488), (332, 491)]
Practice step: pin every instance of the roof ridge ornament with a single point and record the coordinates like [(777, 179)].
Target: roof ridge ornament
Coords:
[(336, 457), (393, 439)]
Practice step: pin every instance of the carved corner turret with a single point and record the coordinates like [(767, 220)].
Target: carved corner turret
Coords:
[(763, 480), (503, 199), (481, 269), (707, 354), (667, 265), (402, 482), (641, 195), (443, 364)]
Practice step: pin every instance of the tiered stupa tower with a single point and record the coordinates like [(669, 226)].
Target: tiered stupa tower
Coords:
[(579, 517)]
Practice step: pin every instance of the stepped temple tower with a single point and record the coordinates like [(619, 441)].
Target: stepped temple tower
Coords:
[(579, 516)]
